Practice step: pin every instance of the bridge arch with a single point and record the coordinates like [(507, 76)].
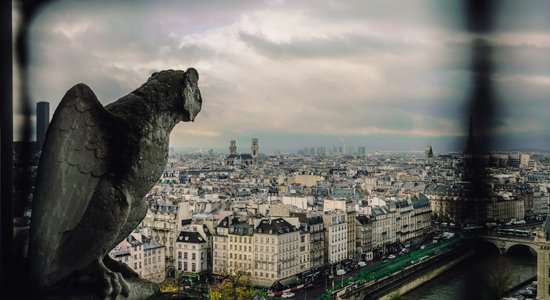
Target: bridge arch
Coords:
[(488, 245), (512, 247), (504, 244)]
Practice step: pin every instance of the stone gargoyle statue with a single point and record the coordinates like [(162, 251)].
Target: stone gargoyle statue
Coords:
[(96, 167)]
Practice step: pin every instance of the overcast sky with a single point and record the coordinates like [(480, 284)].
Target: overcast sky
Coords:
[(389, 75)]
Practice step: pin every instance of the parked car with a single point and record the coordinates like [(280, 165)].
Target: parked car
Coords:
[(340, 272), (361, 264), (287, 295), (391, 256)]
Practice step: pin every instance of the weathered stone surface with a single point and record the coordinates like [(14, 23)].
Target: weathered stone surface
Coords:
[(97, 164), (140, 290)]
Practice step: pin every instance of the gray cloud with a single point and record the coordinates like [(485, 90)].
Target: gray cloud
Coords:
[(366, 71), (331, 47)]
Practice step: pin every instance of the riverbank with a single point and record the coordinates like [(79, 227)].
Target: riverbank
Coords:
[(526, 288), (469, 280), (426, 277)]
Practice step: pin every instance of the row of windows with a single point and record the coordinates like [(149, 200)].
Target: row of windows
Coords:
[(241, 256), (193, 255), (240, 248), (185, 269), (148, 260), (340, 227), (240, 239), (151, 252), (185, 246), (261, 274)]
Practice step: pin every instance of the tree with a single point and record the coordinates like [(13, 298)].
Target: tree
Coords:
[(169, 286), (235, 286), (498, 278)]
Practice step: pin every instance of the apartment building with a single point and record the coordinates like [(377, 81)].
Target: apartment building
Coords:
[(276, 251), (316, 229), (347, 207), (143, 255), (336, 236), (163, 220), (232, 246), (384, 229), (219, 247), (364, 237), (305, 244)]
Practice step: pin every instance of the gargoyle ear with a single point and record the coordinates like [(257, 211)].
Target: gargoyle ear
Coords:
[(154, 74)]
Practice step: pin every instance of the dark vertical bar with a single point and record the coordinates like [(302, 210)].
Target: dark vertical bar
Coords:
[(479, 18), (6, 136)]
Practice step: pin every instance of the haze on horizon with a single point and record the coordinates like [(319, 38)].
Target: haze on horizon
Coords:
[(388, 75)]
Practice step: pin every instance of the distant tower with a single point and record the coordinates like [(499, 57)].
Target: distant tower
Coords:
[(232, 147), (470, 146), (429, 154), (254, 151), (42, 122)]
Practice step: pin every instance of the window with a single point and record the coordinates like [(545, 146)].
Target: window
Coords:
[(193, 267), (184, 255), (193, 256), (185, 266)]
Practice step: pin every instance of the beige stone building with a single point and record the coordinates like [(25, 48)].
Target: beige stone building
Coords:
[(364, 237), (501, 209), (267, 249), (163, 221), (232, 246), (305, 244), (143, 255), (348, 208), (336, 236), (543, 261), (192, 254), (219, 247), (276, 251)]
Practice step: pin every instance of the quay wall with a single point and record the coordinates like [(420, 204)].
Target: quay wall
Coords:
[(423, 278)]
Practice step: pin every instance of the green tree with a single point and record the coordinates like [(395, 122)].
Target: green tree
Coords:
[(235, 286)]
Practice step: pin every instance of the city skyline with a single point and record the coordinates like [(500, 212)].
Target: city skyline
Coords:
[(301, 74)]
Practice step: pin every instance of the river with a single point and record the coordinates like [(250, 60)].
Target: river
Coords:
[(477, 276)]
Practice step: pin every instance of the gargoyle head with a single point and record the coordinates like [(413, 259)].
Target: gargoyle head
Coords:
[(192, 100), (179, 90)]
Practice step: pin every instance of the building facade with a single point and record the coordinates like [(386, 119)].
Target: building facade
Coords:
[(192, 254), (143, 255), (336, 236), (276, 251)]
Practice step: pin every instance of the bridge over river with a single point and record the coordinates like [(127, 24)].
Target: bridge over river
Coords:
[(383, 279)]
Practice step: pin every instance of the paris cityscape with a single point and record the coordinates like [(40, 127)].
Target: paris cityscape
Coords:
[(340, 222), (276, 150)]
